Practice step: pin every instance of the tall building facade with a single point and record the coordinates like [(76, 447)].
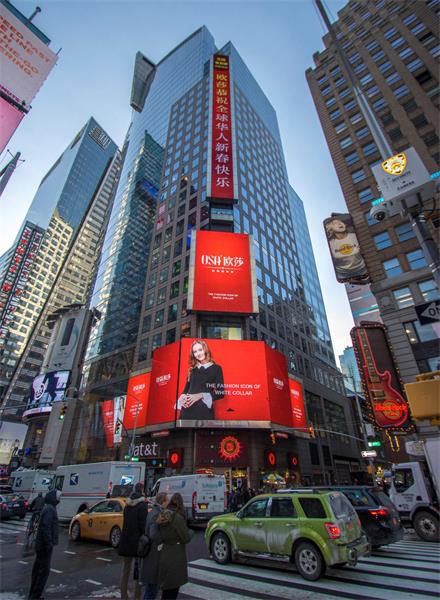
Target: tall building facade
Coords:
[(393, 49), (349, 369), (143, 277), (68, 215)]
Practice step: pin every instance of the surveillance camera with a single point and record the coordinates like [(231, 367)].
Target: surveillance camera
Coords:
[(380, 212)]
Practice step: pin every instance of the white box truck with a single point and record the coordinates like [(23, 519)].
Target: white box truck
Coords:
[(415, 489), (204, 496), (83, 485), (31, 482)]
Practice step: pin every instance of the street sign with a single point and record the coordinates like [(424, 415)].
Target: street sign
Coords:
[(368, 453), (374, 444), (428, 312)]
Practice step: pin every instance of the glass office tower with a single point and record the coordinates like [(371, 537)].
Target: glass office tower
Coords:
[(70, 206), (142, 283)]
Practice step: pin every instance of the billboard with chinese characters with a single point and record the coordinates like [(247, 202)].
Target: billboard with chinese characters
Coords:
[(222, 273), (46, 389), (345, 251), (380, 379), (25, 60), (223, 383), (221, 182)]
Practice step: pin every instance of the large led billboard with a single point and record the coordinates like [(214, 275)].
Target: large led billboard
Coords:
[(222, 273), (10, 119), (206, 383), (299, 417), (46, 389), (25, 60), (345, 251), (137, 401), (380, 379)]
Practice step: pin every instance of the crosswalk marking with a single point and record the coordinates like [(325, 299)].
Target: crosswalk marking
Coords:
[(391, 573)]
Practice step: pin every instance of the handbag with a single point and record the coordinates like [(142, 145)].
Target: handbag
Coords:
[(144, 546)]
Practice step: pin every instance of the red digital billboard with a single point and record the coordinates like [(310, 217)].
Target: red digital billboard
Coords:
[(221, 172), (297, 405), (107, 408), (10, 119), (222, 273), (163, 384), (137, 401)]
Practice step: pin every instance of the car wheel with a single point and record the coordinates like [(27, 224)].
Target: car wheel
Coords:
[(221, 548), (115, 536), (75, 531), (426, 526), (309, 561)]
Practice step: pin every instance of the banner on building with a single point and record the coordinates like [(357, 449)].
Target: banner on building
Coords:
[(10, 119), (222, 273), (107, 409), (46, 389), (138, 390), (380, 379), (345, 251), (299, 417), (118, 417), (221, 182)]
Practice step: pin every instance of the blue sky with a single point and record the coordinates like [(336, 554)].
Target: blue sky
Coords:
[(98, 42)]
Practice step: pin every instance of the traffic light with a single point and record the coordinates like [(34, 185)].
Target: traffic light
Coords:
[(292, 461), (272, 437), (270, 459), (63, 411), (175, 458), (375, 444), (117, 427), (311, 431)]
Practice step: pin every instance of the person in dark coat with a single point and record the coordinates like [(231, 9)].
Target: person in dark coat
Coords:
[(45, 540), (204, 384), (173, 566), (149, 571), (135, 517)]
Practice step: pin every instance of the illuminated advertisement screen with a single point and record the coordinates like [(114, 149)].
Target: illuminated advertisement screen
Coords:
[(221, 180), (222, 273), (345, 251), (25, 60), (137, 401), (297, 405), (10, 119), (380, 380), (46, 389), (204, 383)]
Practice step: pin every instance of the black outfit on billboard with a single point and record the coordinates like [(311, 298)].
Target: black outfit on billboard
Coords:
[(203, 380), (46, 539)]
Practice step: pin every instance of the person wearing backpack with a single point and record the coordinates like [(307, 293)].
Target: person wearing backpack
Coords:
[(149, 570)]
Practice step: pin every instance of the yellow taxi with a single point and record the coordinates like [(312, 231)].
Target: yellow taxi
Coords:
[(103, 521)]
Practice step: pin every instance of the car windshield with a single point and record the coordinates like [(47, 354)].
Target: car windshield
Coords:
[(341, 506), (382, 498), (360, 498)]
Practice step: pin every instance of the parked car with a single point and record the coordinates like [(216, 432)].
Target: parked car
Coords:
[(313, 530), (103, 521), (12, 505)]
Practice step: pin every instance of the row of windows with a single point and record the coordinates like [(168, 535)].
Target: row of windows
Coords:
[(415, 259), (404, 297)]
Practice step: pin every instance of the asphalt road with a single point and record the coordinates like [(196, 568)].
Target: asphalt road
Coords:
[(84, 569)]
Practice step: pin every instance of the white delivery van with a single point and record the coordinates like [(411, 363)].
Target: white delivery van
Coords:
[(31, 482), (83, 485), (204, 496)]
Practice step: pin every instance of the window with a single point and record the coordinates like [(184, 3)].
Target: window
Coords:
[(350, 104), (419, 333), (352, 158), (365, 195), (414, 64), (400, 91), (382, 240), (403, 297), (392, 267), (326, 90), (340, 127), (282, 507), (370, 148), (361, 133), (428, 289), (397, 42), (358, 176), (335, 114), (416, 259), (380, 103), (255, 509), (330, 101), (418, 28), (312, 508), (356, 118), (406, 52), (366, 79), (345, 142), (404, 232), (392, 78), (403, 480)]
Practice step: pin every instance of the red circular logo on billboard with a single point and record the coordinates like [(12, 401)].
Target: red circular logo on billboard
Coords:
[(230, 448), (174, 458)]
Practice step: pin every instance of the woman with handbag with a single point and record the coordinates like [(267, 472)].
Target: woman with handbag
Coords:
[(148, 543), (173, 566)]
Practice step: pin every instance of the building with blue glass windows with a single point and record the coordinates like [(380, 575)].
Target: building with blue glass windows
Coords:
[(59, 242), (142, 280)]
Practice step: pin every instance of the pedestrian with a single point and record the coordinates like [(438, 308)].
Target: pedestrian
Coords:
[(149, 571), (135, 517), (46, 539), (173, 566)]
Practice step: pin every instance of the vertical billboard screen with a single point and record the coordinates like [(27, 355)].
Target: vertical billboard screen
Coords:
[(137, 401), (163, 384), (221, 171), (380, 380), (107, 409), (299, 417), (46, 389), (222, 273), (345, 251), (10, 119), (25, 60)]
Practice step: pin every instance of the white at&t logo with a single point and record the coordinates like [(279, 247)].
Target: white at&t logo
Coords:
[(219, 260)]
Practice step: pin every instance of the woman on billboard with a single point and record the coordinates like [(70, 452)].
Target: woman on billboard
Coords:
[(344, 247), (203, 386)]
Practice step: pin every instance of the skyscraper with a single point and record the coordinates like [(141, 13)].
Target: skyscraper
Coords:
[(55, 251), (143, 278), (393, 50)]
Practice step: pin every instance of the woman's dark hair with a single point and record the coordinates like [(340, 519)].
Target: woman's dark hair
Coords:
[(176, 504)]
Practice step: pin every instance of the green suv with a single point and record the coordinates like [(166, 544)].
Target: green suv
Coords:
[(314, 530)]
